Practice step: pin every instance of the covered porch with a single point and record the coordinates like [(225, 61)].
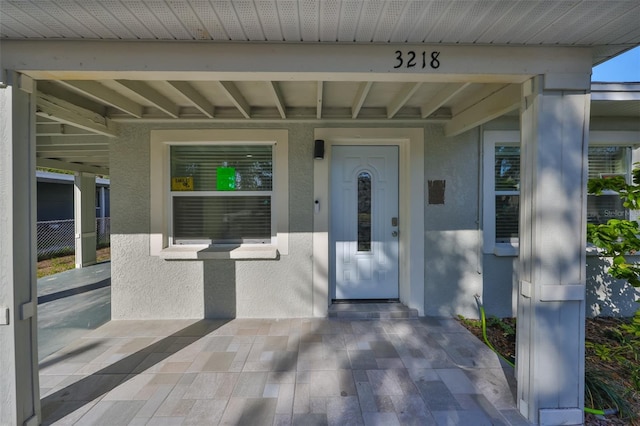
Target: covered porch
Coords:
[(331, 371), (422, 76)]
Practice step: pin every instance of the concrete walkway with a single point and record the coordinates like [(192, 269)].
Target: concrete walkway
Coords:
[(70, 304), (330, 371)]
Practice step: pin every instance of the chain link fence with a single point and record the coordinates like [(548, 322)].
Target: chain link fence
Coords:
[(57, 237)]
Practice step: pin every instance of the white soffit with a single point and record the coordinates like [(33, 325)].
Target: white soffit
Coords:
[(611, 23)]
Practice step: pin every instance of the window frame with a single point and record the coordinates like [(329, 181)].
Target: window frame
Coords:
[(172, 195), (491, 138), (161, 198)]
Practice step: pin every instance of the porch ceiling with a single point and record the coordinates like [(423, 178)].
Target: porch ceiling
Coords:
[(76, 115), (610, 26)]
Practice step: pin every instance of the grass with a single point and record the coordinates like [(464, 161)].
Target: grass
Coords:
[(64, 263)]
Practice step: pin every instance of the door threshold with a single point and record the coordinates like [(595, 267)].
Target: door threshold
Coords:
[(339, 301)]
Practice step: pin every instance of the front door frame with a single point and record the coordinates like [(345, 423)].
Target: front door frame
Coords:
[(410, 142)]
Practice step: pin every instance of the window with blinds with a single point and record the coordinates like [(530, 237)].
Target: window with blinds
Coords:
[(603, 161), (221, 194), (507, 192), (607, 161)]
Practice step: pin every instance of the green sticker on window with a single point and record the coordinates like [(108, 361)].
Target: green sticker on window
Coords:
[(226, 180)]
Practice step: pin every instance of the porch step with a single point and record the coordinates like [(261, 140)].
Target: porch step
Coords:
[(393, 310)]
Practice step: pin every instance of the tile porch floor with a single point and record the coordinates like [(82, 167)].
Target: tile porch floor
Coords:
[(425, 371)]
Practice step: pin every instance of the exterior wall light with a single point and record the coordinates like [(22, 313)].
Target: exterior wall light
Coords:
[(318, 149)]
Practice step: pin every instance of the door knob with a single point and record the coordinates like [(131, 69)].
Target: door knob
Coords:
[(394, 233)]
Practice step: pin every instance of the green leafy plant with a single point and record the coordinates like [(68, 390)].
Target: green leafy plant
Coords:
[(506, 328), (618, 238)]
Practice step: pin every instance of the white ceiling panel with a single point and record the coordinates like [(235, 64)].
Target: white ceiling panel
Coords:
[(551, 22), (100, 11), (289, 20), (329, 20), (248, 17), (309, 20), (390, 18), (129, 20), (349, 18), (369, 15), (229, 19), (10, 27), (339, 94), (269, 20)]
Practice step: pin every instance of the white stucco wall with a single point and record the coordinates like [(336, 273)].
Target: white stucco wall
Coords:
[(456, 269), (453, 262), (145, 286)]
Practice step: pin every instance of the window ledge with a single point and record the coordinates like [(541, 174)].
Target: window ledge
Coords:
[(505, 249), (221, 252)]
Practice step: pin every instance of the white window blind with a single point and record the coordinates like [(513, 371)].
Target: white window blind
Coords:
[(222, 194), (607, 161), (603, 161), (507, 192)]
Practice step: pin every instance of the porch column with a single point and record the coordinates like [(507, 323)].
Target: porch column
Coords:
[(84, 200), (19, 384), (551, 311)]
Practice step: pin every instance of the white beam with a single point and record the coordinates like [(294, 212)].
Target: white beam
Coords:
[(71, 141), (319, 99), (65, 112), (60, 129), (273, 61), (74, 167), (73, 148), (501, 102), (441, 98), (401, 98), (19, 384), (234, 95), (153, 96), (361, 95), (193, 96), (277, 97), (103, 94), (84, 201)]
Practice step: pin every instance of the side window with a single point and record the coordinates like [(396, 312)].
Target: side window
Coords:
[(501, 179), (605, 161), (507, 192)]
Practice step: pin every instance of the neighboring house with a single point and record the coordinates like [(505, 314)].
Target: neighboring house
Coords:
[(55, 196), (416, 151)]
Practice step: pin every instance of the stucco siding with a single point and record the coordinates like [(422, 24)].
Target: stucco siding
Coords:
[(145, 286), (452, 256)]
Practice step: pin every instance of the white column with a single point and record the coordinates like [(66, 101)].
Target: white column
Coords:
[(19, 384), (551, 311), (85, 218)]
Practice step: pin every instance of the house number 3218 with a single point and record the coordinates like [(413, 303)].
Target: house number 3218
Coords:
[(411, 59)]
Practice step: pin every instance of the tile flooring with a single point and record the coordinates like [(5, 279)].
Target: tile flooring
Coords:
[(425, 371)]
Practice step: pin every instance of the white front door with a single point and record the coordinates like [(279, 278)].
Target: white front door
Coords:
[(364, 221)]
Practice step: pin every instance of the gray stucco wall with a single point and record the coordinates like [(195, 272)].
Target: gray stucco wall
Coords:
[(453, 262), (148, 287)]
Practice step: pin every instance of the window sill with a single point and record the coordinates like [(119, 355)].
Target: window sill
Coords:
[(506, 250), (221, 252), (512, 250)]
